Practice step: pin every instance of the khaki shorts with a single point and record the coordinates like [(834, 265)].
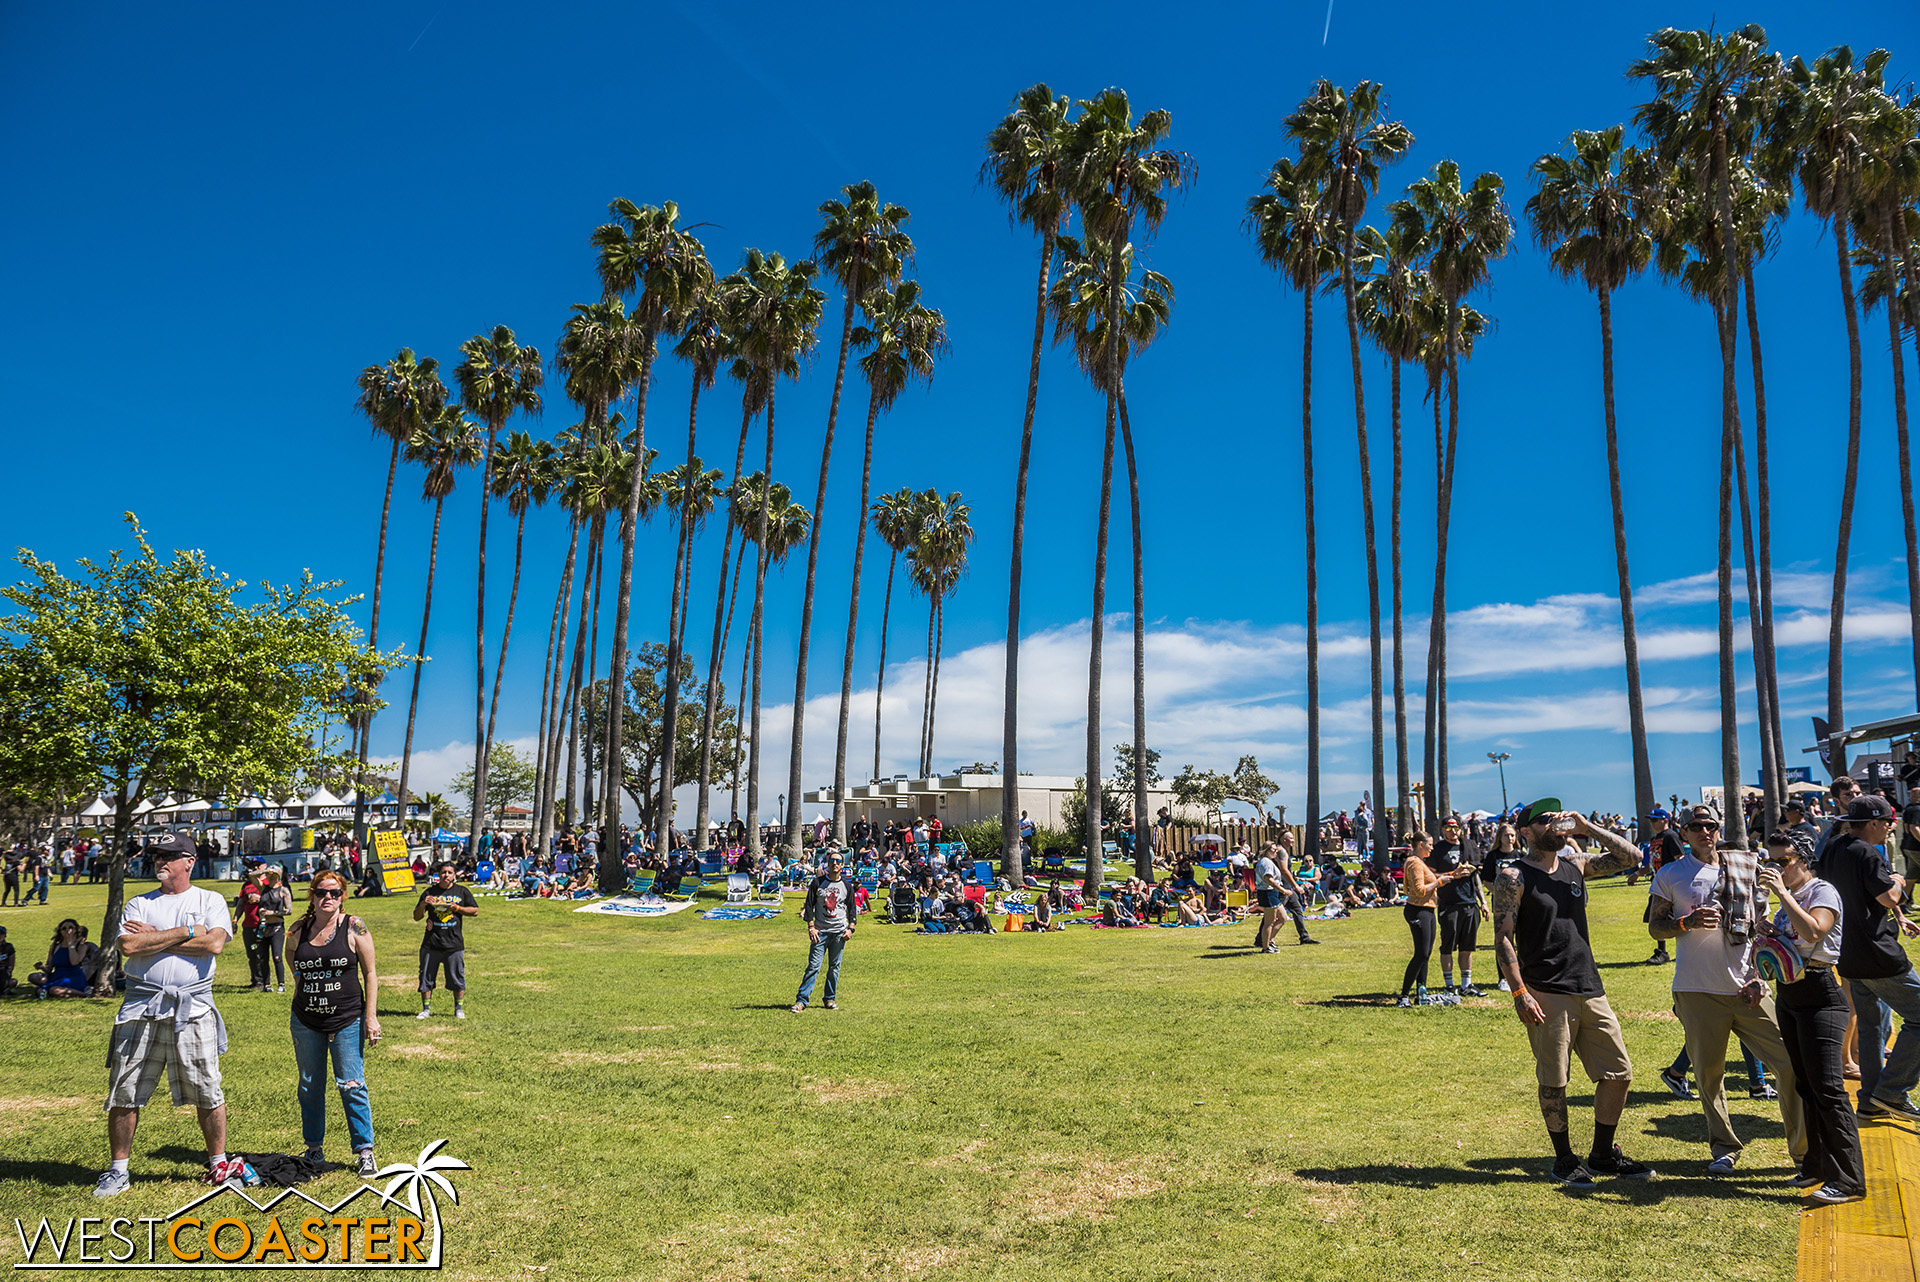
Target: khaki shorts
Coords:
[(1577, 1025), (190, 1053)]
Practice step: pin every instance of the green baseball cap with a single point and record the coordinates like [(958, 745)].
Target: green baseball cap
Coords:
[(1531, 812)]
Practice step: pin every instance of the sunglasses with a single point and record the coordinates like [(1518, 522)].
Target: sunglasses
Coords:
[(1703, 827), (328, 892)]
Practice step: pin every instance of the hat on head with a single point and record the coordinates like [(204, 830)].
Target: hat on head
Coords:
[(1868, 807), (1533, 810), (1794, 803), (1699, 815), (173, 845), (1658, 812)]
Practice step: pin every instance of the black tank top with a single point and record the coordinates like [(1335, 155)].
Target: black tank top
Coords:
[(330, 997), (1551, 932)]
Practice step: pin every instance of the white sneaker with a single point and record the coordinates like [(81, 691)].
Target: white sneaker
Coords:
[(425, 1013), (280, 988), (459, 1012), (112, 1183), (1505, 987)]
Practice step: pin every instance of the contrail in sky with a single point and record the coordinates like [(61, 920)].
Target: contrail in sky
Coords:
[(1329, 27), (721, 41), (443, 8)]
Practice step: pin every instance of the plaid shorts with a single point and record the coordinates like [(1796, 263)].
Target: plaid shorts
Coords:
[(189, 1053)]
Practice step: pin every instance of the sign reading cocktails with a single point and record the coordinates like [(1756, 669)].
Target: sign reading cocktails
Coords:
[(399, 1228)]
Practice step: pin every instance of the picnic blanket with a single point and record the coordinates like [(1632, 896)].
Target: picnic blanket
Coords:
[(628, 906), (736, 912)]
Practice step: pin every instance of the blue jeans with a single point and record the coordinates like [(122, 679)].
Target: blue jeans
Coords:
[(1871, 999), (39, 888), (310, 1053), (829, 947)]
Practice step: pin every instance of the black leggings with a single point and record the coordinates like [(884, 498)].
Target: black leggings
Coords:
[(1421, 922)]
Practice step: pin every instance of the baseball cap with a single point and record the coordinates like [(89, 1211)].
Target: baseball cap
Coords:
[(1658, 812), (1531, 812), (1699, 815), (1794, 803), (1868, 806), (173, 845)]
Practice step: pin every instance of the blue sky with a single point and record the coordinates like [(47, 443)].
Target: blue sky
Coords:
[(221, 213)]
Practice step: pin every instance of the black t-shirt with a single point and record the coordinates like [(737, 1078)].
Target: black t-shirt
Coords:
[(1911, 815), (1551, 932), (1869, 939), (1445, 859), (443, 924)]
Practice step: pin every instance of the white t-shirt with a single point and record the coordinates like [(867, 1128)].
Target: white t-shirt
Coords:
[(191, 907), (1705, 961), (1815, 894)]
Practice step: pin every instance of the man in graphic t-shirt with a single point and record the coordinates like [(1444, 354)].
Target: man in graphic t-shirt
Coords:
[(442, 905), (167, 1021), (830, 914)]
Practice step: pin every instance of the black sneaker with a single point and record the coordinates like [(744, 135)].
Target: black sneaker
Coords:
[(1827, 1195), (1308, 939), (1619, 1165), (1676, 1084), (1570, 1172), (1659, 957), (1469, 990), (364, 1166)]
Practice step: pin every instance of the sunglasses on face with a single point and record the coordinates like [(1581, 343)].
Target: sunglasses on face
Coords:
[(328, 892), (1703, 827)]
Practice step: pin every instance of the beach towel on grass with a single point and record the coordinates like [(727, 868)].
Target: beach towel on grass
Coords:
[(627, 906), (737, 912)]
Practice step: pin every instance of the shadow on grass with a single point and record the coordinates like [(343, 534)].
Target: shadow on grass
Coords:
[(786, 1006), (1625, 965), (1386, 1000), (1681, 1179), (51, 1174)]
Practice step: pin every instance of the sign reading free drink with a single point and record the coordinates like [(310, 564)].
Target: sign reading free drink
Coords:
[(396, 869)]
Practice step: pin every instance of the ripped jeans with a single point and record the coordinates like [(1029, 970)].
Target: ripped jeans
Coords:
[(310, 1052)]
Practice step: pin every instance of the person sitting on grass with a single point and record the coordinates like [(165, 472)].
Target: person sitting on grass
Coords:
[(1192, 910), (71, 961), (968, 916)]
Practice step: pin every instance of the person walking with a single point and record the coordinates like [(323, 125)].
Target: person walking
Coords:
[(37, 873), (1457, 904), (276, 905), (1813, 1019), (1543, 951), (12, 862), (1709, 901), (1871, 959), (336, 986), (1279, 891), (830, 915), (444, 948), (167, 1022)]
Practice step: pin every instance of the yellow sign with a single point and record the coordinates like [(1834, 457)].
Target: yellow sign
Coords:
[(396, 867)]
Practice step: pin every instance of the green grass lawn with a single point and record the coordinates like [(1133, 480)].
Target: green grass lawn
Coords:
[(637, 1101)]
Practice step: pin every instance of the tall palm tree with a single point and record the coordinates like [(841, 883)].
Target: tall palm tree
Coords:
[(1345, 137), (689, 492), (498, 378), (896, 519), (1585, 215), (1118, 174), (759, 507), (399, 399), (1712, 95), (1461, 231), (1025, 166), (863, 242), (643, 255), (903, 337), (1079, 301), (779, 311), (1291, 228), (935, 565), (443, 446), (568, 449), (524, 474), (1388, 294)]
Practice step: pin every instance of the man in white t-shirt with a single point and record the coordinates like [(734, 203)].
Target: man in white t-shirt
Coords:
[(1709, 902), (167, 1022)]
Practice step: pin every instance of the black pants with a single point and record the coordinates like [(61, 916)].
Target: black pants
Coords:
[(1421, 922), (256, 943), (1813, 1023)]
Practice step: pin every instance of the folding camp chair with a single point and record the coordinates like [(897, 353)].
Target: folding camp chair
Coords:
[(739, 888), (689, 888), (642, 883), (983, 871)]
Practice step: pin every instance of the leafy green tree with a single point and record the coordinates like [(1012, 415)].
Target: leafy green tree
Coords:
[(1124, 766), (498, 378), (509, 782), (1210, 789), (1585, 214), (1026, 167), (140, 675)]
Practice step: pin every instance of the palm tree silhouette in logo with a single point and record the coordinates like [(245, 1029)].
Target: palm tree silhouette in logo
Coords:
[(419, 1177)]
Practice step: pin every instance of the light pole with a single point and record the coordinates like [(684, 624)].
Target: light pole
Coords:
[(1500, 760), (783, 810)]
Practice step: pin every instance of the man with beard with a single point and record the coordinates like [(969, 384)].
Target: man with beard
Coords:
[(1540, 941)]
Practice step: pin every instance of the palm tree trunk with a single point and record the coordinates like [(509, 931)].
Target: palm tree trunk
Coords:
[(933, 698), (1734, 820), (1836, 704), (1010, 856), (1441, 802), (506, 634), (570, 709), (677, 613), (612, 867), (1770, 780), (806, 596), (476, 819), (1381, 839), (1430, 759), (1096, 862), (1897, 349), (756, 624), (1142, 830), (1643, 801), (702, 797), (1311, 827), (853, 631), (550, 683), (1763, 510), (880, 681), (1403, 823), (583, 695), (748, 658), (413, 700), (926, 690), (365, 728)]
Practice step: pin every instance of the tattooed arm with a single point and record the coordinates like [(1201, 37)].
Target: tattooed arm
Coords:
[(1506, 919), (360, 940), (1616, 853), (1664, 921)]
